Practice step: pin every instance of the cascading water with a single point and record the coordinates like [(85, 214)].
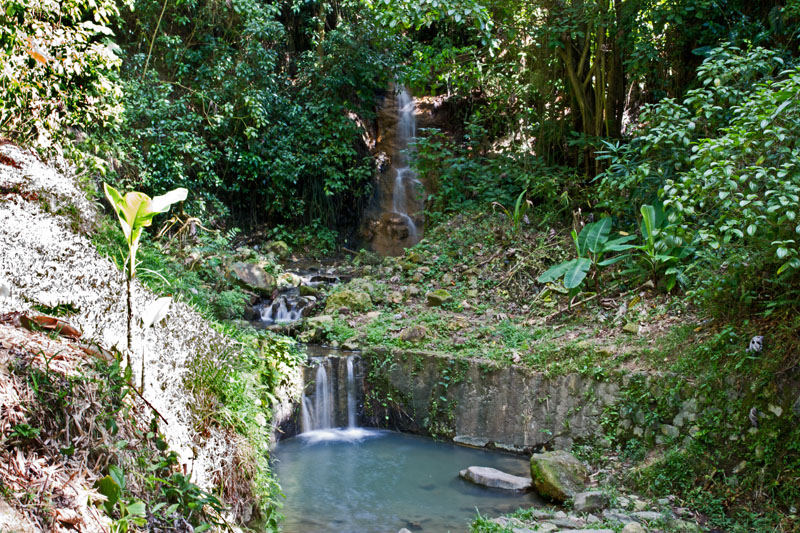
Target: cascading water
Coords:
[(351, 394), (319, 413), (404, 193), (394, 222)]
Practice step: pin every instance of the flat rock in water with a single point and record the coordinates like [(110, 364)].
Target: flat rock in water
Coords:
[(496, 479)]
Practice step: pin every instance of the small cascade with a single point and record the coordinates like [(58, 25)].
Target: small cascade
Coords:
[(351, 394), (334, 402), (293, 300), (283, 310)]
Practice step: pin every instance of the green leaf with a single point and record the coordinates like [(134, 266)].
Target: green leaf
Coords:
[(136, 508), (577, 272), (117, 475), (613, 260), (554, 272), (649, 224), (109, 488), (794, 262), (594, 235)]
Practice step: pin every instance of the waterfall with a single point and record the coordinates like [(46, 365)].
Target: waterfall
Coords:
[(404, 192), (351, 394), (335, 385)]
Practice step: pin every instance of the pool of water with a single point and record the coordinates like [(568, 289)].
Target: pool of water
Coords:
[(366, 481)]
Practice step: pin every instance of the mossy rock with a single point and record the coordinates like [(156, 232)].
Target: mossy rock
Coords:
[(308, 290), (438, 297), (415, 257), (558, 475), (353, 300), (251, 276), (279, 248)]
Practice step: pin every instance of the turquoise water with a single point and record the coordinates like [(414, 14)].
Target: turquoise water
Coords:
[(380, 481)]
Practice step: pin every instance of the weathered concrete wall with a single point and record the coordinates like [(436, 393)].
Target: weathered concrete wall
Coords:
[(476, 402)]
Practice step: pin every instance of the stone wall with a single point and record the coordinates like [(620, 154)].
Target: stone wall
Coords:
[(478, 403)]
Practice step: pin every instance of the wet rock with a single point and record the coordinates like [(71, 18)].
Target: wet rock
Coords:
[(413, 334), (438, 297), (251, 313), (589, 502), (496, 479), (478, 442), (350, 346), (308, 290), (353, 300), (289, 280), (558, 475), (251, 276)]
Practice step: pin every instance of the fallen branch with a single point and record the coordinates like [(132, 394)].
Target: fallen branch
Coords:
[(589, 299)]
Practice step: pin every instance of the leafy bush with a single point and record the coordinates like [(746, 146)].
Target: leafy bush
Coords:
[(58, 69), (724, 161)]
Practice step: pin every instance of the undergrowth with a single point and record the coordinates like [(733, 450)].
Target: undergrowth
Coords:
[(235, 391)]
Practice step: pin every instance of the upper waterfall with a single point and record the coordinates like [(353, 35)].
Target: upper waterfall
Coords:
[(397, 219)]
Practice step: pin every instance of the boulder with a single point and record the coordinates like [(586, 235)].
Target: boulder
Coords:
[(319, 320), (438, 297), (279, 248), (308, 290), (558, 475), (496, 479), (288, 280), (589, 502), (413, 334), (353, 300), (251, 276)]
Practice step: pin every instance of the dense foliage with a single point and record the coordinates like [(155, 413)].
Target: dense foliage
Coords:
[(261, 108), (58, 70)]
